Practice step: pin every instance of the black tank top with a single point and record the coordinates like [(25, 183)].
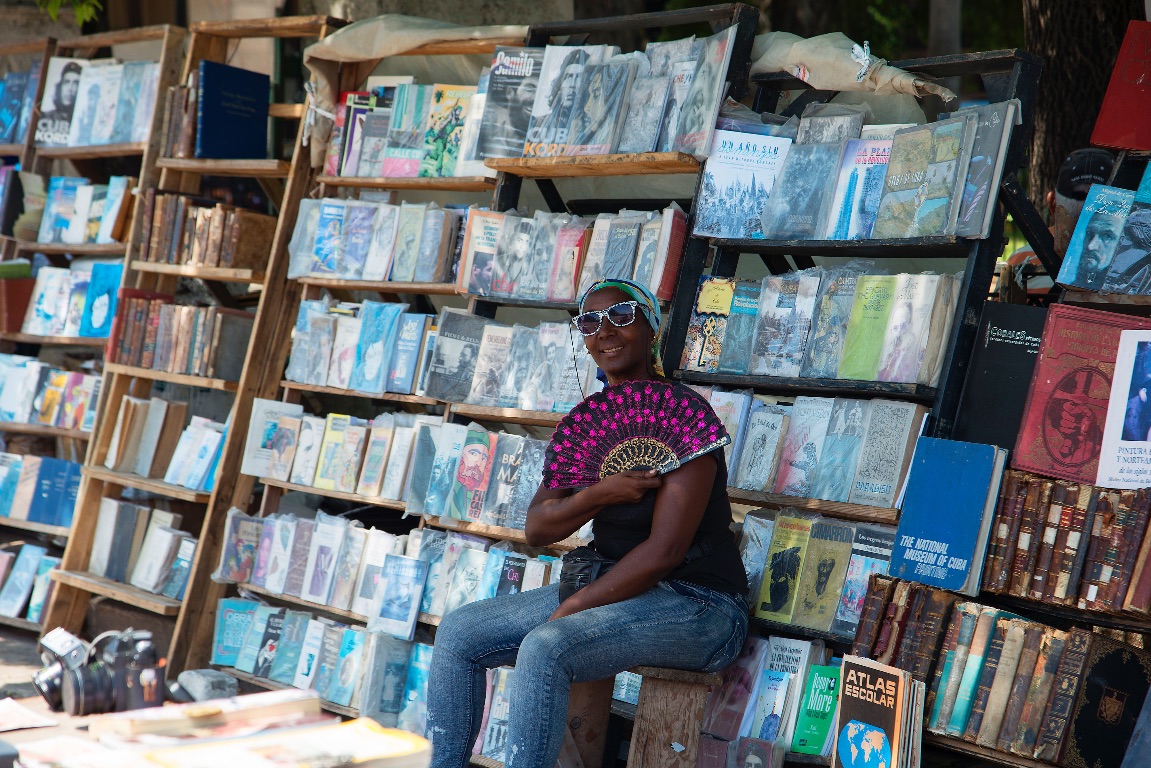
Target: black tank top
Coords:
[(620, 528)]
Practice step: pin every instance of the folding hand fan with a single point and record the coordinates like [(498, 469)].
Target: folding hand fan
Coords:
[(636, 425)]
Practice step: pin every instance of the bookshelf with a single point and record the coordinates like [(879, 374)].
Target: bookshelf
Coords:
[(75, 586)]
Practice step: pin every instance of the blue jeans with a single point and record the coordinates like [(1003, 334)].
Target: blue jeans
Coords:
[(674, 624)]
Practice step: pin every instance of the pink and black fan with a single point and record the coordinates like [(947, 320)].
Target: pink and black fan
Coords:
[(636, 425)]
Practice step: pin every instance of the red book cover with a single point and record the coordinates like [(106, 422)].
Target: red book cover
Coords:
[(1067, 404), (675, 248), (1121, 124)]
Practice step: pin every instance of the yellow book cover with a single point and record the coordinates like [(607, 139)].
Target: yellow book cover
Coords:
[(331, 451), (784, 564), (824, 569)]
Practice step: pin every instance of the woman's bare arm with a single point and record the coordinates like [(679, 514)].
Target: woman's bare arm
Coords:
[(556, 514)]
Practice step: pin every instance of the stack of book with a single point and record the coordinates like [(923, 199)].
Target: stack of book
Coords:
[(1004, 682), (74, 302), (90, 102), (367, 240), (78, 213), (824, 324), (380, 676), (19, 92), (833, 178), (26, 582), (180, 229), (1109, 250), (836, 449), (221, 112), (150, 440), (555, 257), (589, 100), (33, 392), (39, 489), (151, 331), (143, 546), (811, 571)]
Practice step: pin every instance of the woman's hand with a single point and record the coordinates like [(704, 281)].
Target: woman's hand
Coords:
[(626, 487)]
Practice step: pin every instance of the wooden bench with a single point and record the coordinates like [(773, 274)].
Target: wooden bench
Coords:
[(667, 721)]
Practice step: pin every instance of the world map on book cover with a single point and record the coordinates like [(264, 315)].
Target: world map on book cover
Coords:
[(1063, 420)]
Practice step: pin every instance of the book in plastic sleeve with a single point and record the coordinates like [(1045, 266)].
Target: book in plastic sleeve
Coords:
[(857, 190), (801, 197), (600, 108), (511, 92), (786, 310), (553, 110), (695, 123), (807, 427), (784, 564)]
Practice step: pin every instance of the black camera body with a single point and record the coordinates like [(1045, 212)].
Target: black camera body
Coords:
[(119, 671)]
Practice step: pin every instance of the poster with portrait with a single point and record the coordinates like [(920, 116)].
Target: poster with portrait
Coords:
[(61, 89), (1125, 458)]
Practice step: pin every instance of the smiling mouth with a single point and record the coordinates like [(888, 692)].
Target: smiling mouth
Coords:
[(611, 350)]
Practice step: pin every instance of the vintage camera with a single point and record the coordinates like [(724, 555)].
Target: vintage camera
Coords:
[(119, 671)]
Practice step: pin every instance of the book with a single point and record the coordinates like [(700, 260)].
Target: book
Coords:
[(1066, 408), (867, 327), (61, 90), (306, 668), (269, 644), (447, 114), (700, 105), (458, 339), (600, 108), (706, 332), (786, 308), (348, 669), (646, 104), (241, 537), (738, 178), (100, 300), (1128, 271), (326, 539), (619, 254), (398, 602), (375, 346), (806, 431), (1003, 361), (833, 305), (922, 192), (512, 86), (728, 702), (503, 478), (259, 445), (95, 109), (858, 186), (872, 705), (942, 541), (816, 719), (888, 444), (739, 334), (993, 124), (1115, 125), (298, 562), (785, 556), (307, 458), (870, 554), (18, 586), (177, 580), (231, 112), (841, 449), (233, 619), (793, 657), (356, 239), (491, 364), (347, 568), (553, 109), (803, 192), (326, 249), (481, 241), (1128, 424), (758, 462), (825, 566), (776, 690)]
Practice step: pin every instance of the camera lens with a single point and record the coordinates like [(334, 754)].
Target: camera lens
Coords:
[(88, 690), (47, 682)]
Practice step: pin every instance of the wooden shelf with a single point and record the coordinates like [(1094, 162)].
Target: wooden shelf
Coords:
[(93, 152), (390, 396), (826, 387), (272, 685), (504, 301), (124, 593), (894, 248), (218, 274), (28, 525), (506, 415), (24, 624), (11, 149), (186, 379), (767, 627), (837, 509), (79, 249), (645, 163), (63, 341), (446, 183), (151, 485), (384, 286), (494, 531), (991, 755), (1079, 296), (373, 500), (43, 430), (254, 168), (424, 618)]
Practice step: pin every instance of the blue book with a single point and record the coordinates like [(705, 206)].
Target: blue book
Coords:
[(18, 587), (359, 219), (40, 587), (374, 349), (329, 238), (942, 537), (348, 669), (406, 354), (59, 207), (253, 640), (291, 645), (49, 489), (233, 618), (11, 468), (1096, 236), (67, 502), (232, 112), (100, 303)]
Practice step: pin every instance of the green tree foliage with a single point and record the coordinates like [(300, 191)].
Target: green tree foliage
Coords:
[(85, 10)]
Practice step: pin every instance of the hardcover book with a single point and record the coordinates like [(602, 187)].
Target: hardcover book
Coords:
[(1115, 681), (1095, 238), (1066, 409), (738, 177), (922, 191), (232, 112)]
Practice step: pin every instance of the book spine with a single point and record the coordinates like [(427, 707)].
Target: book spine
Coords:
[(1067, 546), (1046, 667), (969, 679), (1018, 697), (1129, 548), (1079, 564), (675, 248), (166, 123), (997, 698), (986, 677), (958, 664), (894, 620), (997, 546), (1063, 495), (1138, 595), (904, 658), (1023, 561), (1056, 720), (185, 143), (930, 633), (874, 605), (1109, 514), (1113, 551), (146, 222), (946, 654), (148, 355)]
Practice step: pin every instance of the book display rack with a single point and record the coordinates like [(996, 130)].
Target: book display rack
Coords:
[(76, 584)]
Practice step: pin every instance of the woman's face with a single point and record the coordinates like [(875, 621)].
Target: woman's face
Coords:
[(622, 353)]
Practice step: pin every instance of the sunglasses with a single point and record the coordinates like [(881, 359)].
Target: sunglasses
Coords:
[(588, 323)]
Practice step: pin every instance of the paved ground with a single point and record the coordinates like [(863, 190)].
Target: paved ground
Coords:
[(18, 660)]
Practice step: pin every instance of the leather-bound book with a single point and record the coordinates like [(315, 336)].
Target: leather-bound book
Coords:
[(1024, 672), (1095, 576), (939, 674), (1070, 540), (1063, 497), (1004, 530), (997, 698), (894, 620), (879, 590), (930, 633), (1046, 668), (971, 612), (1129, 545), (916, 604), (1030, 526), (986, 677)]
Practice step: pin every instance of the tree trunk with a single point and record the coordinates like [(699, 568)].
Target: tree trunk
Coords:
[(1078, 42)]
